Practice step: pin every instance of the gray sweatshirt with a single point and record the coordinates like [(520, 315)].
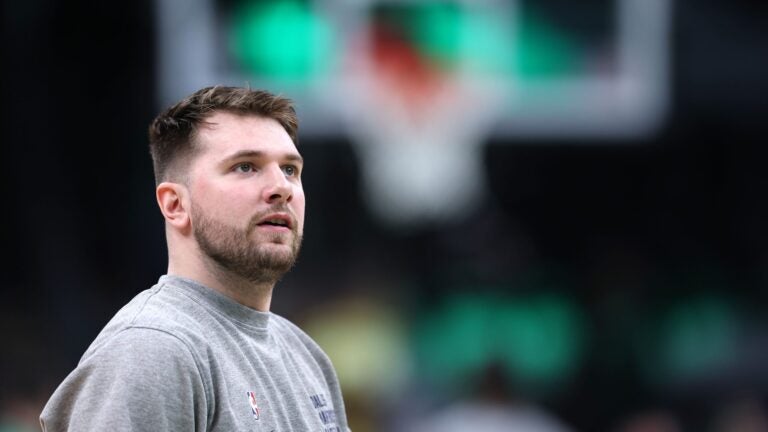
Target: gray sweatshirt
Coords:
[(182, 357)]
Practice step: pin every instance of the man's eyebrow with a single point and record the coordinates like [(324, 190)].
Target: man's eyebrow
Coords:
[(294, 157), (242, 154)]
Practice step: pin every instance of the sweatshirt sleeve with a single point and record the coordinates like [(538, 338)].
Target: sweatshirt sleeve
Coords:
[(142, 379)]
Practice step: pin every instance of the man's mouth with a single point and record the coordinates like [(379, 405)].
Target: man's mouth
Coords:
[(276, 220)]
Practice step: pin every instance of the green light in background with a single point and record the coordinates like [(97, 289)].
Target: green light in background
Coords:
[(539, 340), (437, 31), (455, 341), (543, 51), (692, 339), (698, 336), (281, 39), (487, 43)]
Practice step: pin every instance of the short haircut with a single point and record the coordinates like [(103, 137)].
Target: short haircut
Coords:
[(173, 132)]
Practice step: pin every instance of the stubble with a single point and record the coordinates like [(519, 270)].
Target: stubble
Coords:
[(243, 253)]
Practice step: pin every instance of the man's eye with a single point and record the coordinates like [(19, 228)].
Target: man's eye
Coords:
[(244, 167), (290, 170)]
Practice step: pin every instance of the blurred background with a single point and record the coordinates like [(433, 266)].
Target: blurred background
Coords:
[(523, 215)]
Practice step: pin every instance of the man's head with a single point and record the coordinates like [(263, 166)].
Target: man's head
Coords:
[(229, 182)]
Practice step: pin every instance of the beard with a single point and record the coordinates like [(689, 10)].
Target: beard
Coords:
[(234, 250)]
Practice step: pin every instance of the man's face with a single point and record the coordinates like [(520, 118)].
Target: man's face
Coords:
[(247, 199)]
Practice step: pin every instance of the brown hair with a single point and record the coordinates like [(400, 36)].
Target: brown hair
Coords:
[(172, 133)]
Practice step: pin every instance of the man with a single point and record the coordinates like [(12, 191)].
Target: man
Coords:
[(200, 351)]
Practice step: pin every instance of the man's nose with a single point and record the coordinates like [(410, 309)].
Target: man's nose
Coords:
[(278, 188)]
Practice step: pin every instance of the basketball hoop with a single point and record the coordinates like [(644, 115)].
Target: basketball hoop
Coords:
[(418, 130)]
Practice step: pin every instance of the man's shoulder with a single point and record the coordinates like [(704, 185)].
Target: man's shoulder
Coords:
[(148, 370), (163, 307), (158, 314), (148, 346)]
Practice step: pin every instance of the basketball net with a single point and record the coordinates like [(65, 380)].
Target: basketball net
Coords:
[(418, 133)]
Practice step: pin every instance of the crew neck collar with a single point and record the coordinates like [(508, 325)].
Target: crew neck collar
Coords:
[(219, 302)]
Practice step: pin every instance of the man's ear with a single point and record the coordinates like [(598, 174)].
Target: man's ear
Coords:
[(173, 203)]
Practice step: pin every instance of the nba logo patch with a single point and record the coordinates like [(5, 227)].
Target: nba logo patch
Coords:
[(254, 407)]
